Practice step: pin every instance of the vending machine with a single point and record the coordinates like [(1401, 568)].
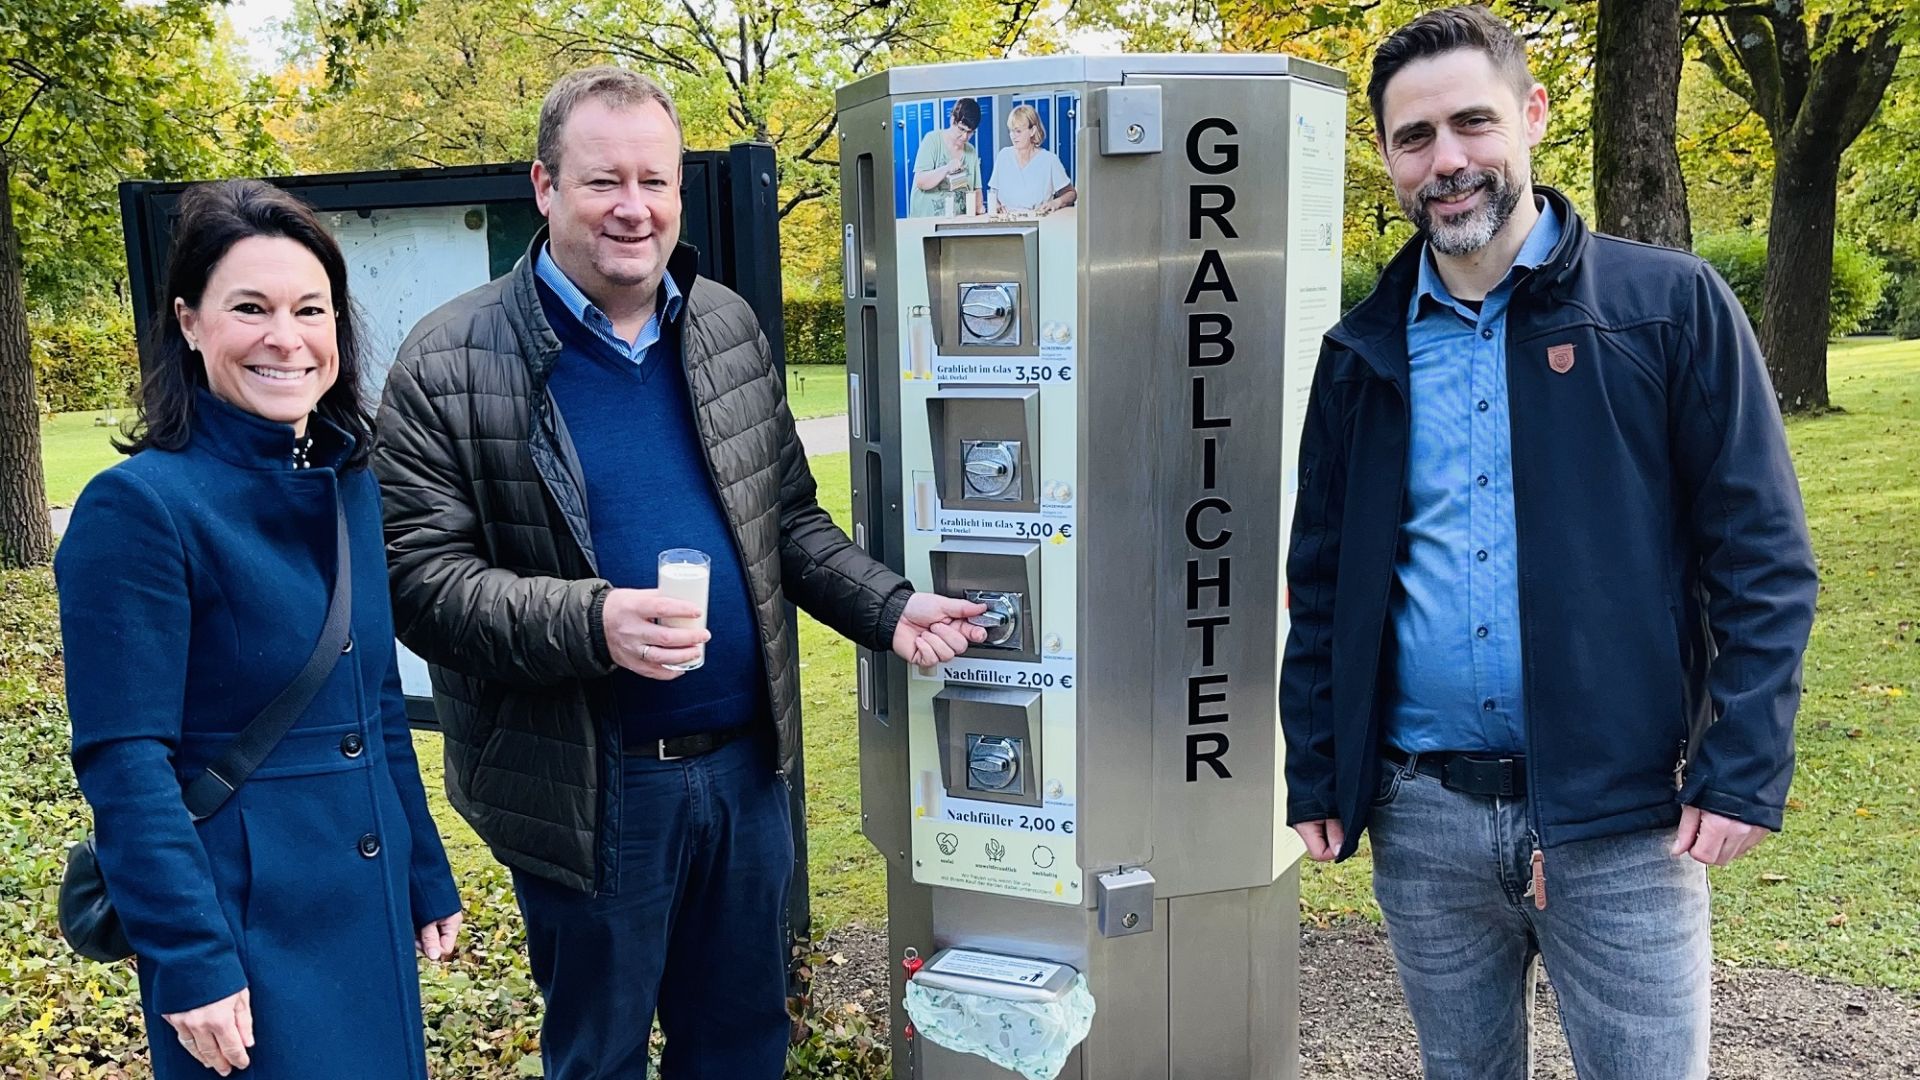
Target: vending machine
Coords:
[(1084, 299)]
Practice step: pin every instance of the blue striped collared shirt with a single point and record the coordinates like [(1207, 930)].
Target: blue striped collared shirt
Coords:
[(1456, 614)]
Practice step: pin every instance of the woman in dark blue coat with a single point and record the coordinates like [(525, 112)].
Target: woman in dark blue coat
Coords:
[(278, 934)]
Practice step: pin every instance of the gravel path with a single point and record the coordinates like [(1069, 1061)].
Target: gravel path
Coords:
[(1767, 1025)]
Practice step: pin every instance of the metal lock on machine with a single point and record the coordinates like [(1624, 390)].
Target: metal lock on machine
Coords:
[(990, 313), (993, 763), (1001, 620), (990, 469)]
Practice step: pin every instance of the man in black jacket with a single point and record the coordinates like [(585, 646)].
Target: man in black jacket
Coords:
[(543, 440), (1551, 584)]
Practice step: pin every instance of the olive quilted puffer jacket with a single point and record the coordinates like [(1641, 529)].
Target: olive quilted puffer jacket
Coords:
[(492, 563)]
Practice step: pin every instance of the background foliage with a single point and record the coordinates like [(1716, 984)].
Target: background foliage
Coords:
[(1859, 278)]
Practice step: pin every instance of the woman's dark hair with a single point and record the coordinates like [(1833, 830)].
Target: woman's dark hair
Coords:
[(213, 218), (967, 111)]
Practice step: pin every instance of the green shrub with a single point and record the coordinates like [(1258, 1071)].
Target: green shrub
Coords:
[(816, 329), (1859, 279), (1741, 258), (1357, 279), (85, 359), (1904, 299)]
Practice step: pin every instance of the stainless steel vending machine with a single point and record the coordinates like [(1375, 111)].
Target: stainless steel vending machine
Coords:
[(1084, 298)]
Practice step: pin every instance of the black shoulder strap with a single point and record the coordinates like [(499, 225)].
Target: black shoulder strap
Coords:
[(211, 789)]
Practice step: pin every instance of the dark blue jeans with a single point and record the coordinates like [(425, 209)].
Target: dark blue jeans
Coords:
[(696, 931)]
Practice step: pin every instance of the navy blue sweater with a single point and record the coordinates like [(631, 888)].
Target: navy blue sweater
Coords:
[(649, 489)]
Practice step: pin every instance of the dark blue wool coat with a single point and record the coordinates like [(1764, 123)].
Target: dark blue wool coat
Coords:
[(193, 585)]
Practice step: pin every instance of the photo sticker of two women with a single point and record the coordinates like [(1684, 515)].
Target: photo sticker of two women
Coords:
[(1026, 177), (946, 168)]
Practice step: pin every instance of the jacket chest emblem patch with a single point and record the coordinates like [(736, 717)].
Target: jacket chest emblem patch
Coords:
[(1560, 358)]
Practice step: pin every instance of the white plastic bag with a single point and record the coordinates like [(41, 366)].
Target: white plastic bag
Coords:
[(1031, 1038)]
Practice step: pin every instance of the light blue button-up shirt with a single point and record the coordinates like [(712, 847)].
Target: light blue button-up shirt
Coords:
[(1456, 614), (596, 320)]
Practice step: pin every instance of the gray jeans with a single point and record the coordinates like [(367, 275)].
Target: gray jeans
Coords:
[(1625, 936)]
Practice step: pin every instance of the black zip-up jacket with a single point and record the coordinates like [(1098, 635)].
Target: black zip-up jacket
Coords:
[(1666, 580), (491, 558)]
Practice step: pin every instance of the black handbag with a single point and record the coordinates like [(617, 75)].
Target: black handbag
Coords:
[(87, 918)]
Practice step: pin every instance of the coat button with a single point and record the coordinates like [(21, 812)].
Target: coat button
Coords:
[(369, 845), (347, 648), (352, 745)]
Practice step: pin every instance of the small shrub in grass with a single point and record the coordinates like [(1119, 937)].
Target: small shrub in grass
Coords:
[(85, 359), (816, 328), (1741, 258), (1906, 308)]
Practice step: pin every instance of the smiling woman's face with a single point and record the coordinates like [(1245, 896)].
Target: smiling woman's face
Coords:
[(1021, 133), (265, 329)]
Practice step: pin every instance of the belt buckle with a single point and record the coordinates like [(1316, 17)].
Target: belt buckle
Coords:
[(1506, 777), (664, 756)]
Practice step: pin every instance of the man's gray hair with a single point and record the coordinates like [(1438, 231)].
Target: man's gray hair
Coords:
[(617, 87)]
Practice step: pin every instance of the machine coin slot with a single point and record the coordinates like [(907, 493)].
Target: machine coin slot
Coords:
[(1002, 619), (985, 448), (982, 284), (1005, 576), (989, 744), (990, 469), (990, 313)]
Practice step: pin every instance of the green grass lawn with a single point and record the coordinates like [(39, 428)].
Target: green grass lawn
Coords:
[(73, 449), (1838, 893), (815, 390)]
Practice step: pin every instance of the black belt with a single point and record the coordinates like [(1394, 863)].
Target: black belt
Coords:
[(686, 746), (1471, 773)]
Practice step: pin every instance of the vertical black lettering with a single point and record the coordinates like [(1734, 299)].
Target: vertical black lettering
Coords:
[(1198, 698), (1211, 276), (1216, 743), (1227, 156), (1206, 328), (1200, 417), (1222, 581), (1197, 209), (1210, 463), (1207, 624), (1217, 540)]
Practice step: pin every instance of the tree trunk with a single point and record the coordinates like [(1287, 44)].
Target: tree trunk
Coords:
[(1639, 192), (26, 534), (1796, 306)]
